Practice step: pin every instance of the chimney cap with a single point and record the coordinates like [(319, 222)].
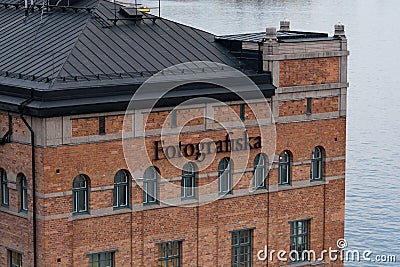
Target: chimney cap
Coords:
[(339, 30), (285, 25), (271, 34)]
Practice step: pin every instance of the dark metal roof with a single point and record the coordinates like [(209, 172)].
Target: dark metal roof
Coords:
[(70, 45), (74, 57), (283, 36)]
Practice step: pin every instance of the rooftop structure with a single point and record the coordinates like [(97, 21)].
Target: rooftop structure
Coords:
[(95, 52)]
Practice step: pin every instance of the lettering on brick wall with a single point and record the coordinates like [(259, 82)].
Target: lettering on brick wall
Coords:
[(201, 149)]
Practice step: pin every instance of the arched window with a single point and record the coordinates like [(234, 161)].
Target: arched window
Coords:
[(259, 172), (80, 194), (317, 164), (284, 168), (4, 188), (150, 185), (225, 176), (23, 190), (121, 189), (188, 183)]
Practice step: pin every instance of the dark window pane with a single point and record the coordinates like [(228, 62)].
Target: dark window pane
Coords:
[(115, 197), (170, 254), (23, 193), (308, 106), (225, 175), (299, 237), (260, 172), (284, 168), (102, 125), (241, 248), (4, 188), (150, 184), (188, 180), (317, 164), (105, 259), (123, 196), (15, 259), (80, 194)]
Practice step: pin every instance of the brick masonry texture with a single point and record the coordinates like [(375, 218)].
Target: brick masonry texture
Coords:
[(206, 229), (309, 71), (318, 105), (85, 127)]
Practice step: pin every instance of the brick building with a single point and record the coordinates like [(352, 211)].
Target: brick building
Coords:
[(67, 74)]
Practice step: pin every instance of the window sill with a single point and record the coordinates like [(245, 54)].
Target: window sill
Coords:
[(258, 188), (188, 198), (316, 180), (122, 207), (151, 203), (15, 212), (225, 193), (78, 213)]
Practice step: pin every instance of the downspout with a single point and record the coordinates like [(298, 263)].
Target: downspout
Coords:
[(269, 199), (260, 58), (21, 110)]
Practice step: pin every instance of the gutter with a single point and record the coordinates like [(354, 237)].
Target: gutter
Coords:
[(34, 222)]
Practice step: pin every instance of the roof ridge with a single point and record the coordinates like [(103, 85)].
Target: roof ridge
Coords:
[(72, 48)]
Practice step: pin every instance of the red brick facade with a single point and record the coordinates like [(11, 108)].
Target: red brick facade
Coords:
[(65, 239), (309, 71)]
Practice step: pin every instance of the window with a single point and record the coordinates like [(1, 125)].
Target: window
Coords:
[(308, 106), (242, 248), (225, 176), (121, 189), (284, 168), (242, 112), (80, 190), (103, 259), (102, 125), (23, 193), (316, 164), (15, 258), (4, 188), (173, 119), (150, 186), (170, 254), (188, 184), (299, 239), (259, 172)]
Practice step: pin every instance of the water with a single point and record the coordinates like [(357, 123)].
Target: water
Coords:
[(373, 150)]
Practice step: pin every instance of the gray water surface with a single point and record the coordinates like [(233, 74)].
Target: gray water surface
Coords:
[(373, 148)]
